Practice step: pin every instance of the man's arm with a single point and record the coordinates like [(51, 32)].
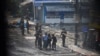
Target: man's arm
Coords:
[(61, 35)]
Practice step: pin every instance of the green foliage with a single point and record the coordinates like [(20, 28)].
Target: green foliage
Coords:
[(13, 6)]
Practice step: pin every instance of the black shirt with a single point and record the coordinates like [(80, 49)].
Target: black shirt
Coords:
[(63, 33), (54, 39)]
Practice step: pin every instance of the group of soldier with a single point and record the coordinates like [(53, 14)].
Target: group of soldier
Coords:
[(44, 40), (22, 26), (47, 40)]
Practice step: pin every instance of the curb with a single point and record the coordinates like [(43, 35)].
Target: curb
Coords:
[(82, 51)]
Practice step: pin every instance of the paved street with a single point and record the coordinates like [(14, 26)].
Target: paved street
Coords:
[(79, 19), (19, 45)]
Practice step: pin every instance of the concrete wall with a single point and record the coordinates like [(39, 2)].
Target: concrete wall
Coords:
[(57, 20), (69, 20), (66, 20)]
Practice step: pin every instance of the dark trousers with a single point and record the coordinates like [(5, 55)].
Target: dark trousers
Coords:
[(28, 30), (63, 41), (54, 45), (22, 30), (97, 46), (36, 42), (49, 43), (39, 43), (45, 44)]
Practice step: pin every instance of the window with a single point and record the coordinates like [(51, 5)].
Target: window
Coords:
[(53, 15), (68, 15)]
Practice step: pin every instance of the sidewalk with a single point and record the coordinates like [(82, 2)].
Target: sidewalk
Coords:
[(82, 51)]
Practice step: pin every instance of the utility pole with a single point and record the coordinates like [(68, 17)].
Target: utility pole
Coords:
[(76, 24), (22, 20), (34, 11)]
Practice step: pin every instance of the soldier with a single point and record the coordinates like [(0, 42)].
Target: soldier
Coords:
[(45, 39), (36, 34), (27, 25), (36, 39), (40, 41), (97, 41), (54, 41), (38, 31), (49, 40), (22, 26), (63, 36)]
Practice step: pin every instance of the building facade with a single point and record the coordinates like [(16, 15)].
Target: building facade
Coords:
[(56, 11)]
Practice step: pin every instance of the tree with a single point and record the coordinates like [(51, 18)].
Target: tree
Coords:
[(13, 6)]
